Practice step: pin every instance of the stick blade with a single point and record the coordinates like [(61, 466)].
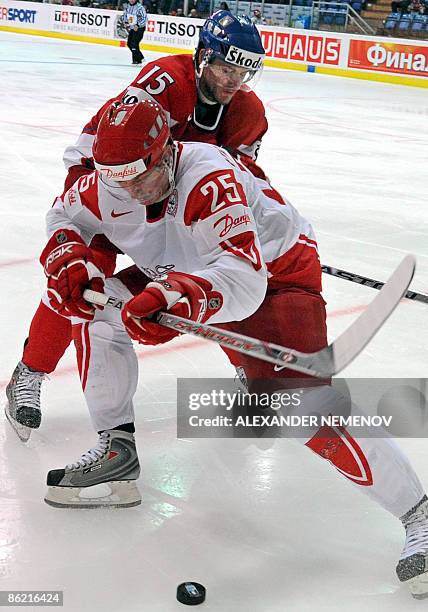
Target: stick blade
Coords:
[(352, 341)]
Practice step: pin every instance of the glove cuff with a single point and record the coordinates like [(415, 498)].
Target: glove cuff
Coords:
[(203, 301), (59, 243)]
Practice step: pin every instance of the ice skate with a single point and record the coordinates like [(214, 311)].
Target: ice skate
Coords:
[(412, 567), (22, 408), (103, 477)]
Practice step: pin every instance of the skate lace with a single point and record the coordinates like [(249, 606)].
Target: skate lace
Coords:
[(416, 533), (26, 390), (92, 455)]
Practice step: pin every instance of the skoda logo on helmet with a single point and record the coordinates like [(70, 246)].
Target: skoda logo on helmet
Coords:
[(244, 59)]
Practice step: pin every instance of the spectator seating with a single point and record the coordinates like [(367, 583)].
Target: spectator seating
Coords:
[(419, 25), (409, 24), (404, 24), (328, 12), (391, 23)]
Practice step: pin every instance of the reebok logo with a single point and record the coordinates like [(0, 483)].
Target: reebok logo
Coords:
[(120, 214), (59, 252)]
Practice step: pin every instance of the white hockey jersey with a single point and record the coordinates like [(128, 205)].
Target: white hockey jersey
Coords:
[(219, 223)]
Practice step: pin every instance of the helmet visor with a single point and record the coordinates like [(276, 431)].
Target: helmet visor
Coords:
[(236, 76), (155, 184)]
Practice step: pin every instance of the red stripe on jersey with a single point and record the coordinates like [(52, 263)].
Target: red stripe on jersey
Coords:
[(87, 187), (179, 152), (309, 240), (216, 191), (298, 267), (274, 195), (243, 246)]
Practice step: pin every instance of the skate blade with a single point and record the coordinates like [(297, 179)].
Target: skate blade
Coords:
[(21, 431), (115, 494), (419, 586)]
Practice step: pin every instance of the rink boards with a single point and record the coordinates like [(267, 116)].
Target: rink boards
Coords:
[(374, 58)]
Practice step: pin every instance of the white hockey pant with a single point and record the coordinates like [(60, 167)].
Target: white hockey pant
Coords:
[(107, 363)]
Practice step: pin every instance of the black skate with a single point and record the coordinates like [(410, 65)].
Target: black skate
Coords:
[(412, 567), (23, 400)]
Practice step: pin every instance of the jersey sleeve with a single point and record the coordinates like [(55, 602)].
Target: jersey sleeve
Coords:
[(225, 236), (244, 125), (77, 209)]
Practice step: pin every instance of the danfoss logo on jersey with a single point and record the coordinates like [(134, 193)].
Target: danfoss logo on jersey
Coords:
[(245, 59), (231, 223), (302, 47)]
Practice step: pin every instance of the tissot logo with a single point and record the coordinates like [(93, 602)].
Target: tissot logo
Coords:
[(81, 18), (171, 28)]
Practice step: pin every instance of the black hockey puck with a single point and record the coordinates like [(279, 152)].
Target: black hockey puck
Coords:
[(190, 593)]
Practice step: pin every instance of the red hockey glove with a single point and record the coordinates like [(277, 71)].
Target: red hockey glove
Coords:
[(68, 264), (180, 294)]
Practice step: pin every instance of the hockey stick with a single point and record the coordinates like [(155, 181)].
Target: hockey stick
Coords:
[(324, 363), (370, 282)]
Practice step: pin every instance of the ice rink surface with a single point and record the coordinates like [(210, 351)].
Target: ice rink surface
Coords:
[(265, 527)]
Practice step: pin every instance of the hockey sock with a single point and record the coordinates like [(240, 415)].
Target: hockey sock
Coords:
[(128, 427), (50, 335), (370, 459)]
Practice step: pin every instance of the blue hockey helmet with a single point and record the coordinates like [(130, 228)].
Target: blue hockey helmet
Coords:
[(232, 39)]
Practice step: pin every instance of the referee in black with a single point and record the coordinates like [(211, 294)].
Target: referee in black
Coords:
[(135, 19)]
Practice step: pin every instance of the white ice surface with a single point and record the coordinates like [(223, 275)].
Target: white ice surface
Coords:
[(266, 529)]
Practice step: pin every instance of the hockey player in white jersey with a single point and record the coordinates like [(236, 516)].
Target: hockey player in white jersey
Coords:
[(229, 251), (178, 209)]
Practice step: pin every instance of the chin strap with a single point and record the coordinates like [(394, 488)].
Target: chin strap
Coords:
[(172, 166), (199, 68)]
